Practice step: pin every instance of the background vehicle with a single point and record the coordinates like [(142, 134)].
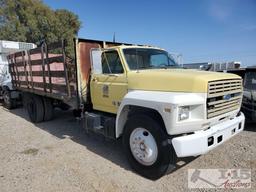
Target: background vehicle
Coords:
[(249, 95), (134, 92), (7, 93)]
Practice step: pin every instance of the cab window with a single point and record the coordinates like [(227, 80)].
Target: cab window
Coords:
[(158, 60), (111, 63)]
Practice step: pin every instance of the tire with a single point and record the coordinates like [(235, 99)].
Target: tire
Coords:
[(48, 109), (152, 132), (9, 103), (35, 108)]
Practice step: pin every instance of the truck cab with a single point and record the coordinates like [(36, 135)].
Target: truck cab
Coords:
[(153, 97)]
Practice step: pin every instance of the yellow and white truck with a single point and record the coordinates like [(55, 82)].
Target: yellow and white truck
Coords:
[(134, 92)]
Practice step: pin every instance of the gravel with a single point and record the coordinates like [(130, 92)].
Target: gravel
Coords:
[(59, 156)]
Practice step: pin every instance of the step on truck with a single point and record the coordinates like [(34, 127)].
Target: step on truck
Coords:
[(134, 92)]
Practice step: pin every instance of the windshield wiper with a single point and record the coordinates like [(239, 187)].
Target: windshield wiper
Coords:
[(146, 67)]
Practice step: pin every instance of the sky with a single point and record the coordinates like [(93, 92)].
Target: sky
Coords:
[(200, 30)]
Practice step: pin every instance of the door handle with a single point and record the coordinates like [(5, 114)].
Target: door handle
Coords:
[(113, 75)]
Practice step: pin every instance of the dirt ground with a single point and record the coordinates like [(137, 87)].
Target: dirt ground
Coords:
[(59, 156)]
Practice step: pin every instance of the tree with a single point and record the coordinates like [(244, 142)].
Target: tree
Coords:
[(32, 21)]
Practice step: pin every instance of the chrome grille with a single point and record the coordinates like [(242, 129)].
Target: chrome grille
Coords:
[(223, 96)]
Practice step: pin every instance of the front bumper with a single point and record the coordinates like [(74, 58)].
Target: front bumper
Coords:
[(198, 142)]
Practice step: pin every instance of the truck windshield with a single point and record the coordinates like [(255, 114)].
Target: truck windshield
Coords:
[(250, 80), (148, 58)]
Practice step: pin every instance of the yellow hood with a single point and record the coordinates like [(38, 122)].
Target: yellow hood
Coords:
[(174, 80)]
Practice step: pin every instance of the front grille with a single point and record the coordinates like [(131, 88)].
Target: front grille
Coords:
[(223, 96)]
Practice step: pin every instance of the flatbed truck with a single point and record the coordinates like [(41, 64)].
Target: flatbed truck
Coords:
[(134, 92)]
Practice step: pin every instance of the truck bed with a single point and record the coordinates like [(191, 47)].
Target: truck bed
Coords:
[(46, 71)]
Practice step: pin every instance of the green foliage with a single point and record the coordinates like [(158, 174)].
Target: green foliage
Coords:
[(32, 21)]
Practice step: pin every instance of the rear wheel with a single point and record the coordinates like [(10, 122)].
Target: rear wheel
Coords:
[(146, 146), (9, 103), (48, 109), (35, 108)]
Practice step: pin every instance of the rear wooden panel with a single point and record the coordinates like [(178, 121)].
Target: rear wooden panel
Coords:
[(45, 71)]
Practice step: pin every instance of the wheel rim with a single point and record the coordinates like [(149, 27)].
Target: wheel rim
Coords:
[(143, 146)]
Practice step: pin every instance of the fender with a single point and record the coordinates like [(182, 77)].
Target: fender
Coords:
[(165, 103)]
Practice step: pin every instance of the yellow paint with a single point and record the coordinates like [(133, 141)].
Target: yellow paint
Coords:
[(174, 80), (117, 89)]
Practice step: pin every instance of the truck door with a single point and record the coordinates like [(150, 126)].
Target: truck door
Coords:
[(108, 83)]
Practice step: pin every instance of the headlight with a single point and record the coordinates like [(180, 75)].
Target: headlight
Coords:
[(183, 113)]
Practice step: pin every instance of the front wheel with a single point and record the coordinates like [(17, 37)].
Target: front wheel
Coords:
[(146, 146)]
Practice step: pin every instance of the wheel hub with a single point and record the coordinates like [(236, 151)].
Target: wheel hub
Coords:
[(143, 146)]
